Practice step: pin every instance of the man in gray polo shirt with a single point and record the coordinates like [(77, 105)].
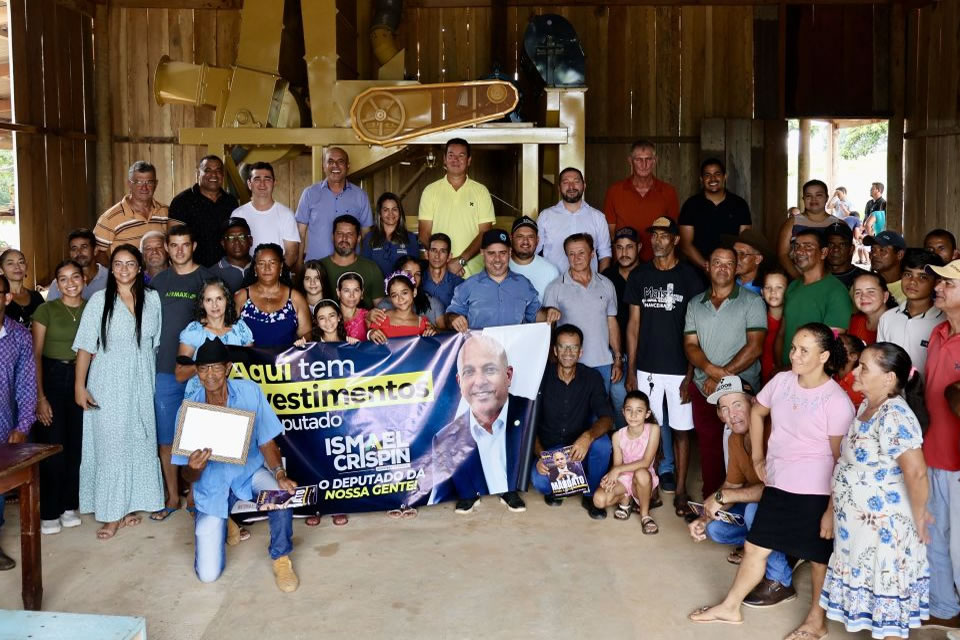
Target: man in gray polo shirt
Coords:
[(723, 336), (588, 300)]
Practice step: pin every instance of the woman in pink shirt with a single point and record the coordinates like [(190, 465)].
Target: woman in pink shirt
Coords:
[(810, 415)]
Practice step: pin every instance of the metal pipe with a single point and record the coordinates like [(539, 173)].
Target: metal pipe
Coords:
[(383, 25)]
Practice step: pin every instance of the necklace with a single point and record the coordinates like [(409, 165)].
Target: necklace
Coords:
[(76, 318)]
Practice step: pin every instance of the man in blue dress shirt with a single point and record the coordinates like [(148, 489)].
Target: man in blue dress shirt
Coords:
[(217, 485), (496, 296)]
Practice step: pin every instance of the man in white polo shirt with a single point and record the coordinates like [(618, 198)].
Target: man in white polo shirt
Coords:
[(569, 216), (269, 220)]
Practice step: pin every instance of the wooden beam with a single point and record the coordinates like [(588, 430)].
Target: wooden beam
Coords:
[(172, 4), (453, 4), (104, 118), (86, 7)]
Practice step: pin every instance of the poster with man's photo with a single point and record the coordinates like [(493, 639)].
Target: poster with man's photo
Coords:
[(566, 476), (407, 423)]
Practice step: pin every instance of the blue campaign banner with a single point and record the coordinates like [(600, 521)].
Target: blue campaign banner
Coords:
[(415, 421)]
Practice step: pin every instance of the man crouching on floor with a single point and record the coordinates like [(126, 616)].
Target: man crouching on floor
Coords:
[(217, 485)]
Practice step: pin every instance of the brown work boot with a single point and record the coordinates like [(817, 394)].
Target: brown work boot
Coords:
[(287, 580), (769, 593)]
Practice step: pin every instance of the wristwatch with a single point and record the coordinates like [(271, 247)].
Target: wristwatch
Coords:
[(277, 469), (462, 262), (718, 496)]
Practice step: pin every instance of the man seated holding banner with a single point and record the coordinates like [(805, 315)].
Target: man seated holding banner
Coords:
[(218, 485), (496, 296), (481, 452), (574, 412), (740, 494)]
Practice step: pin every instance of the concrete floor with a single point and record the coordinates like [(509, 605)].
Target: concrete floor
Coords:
[(546, 573)]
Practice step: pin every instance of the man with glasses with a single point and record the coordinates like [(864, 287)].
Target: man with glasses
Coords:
[(641, 198), (235, 263), (204, 207), (817, 296), (137, 212), (270, 221), (321, 203), (709, 215)]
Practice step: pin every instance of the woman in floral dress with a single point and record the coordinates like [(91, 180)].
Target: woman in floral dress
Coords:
[(878, 576)]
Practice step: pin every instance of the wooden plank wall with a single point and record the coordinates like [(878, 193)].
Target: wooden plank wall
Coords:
[(652, 72), (932, 129), (53, 84)]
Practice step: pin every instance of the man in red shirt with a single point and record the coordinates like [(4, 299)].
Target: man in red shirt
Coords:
[(941, 451), (642, 198)]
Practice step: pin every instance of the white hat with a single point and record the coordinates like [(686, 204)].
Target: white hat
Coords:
[(730, 384)]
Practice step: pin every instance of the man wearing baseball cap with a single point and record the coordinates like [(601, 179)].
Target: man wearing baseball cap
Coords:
[(658, 292), (886, 255), (524, 259), (940, 450), (496, 296), (752, 250), (569, 216), (840, 250), (235, 263), (740, 494)]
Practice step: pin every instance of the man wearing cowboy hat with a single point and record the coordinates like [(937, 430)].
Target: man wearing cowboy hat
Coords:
[(217, 485)]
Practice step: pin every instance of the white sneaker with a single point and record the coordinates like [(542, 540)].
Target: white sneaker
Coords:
[(48, 527), (70, 519)]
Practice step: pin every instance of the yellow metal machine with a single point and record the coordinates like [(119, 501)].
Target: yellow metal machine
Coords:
[(256, 109)]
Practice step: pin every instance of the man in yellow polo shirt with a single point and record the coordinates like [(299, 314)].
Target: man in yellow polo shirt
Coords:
[(459, 207)]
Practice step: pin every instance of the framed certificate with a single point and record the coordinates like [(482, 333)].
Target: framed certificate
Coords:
[(205, 426)]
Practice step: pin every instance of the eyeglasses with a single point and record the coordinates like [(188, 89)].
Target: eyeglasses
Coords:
[(236, 237), (568, 348), (143, 183)]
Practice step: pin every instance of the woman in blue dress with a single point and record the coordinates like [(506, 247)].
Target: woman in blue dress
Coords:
[(389, 239), (878, 578)]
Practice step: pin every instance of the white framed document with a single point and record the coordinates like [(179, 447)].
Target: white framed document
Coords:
[(224, 430)]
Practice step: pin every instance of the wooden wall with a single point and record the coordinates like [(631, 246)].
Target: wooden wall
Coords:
[(932, 130), (53, 116), (652, 72)]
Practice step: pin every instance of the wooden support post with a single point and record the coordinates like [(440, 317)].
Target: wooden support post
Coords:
[(104, 145), (895, 186), (833, 155), (803, 159)]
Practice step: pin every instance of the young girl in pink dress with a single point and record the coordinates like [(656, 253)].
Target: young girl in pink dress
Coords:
[(632, 475)]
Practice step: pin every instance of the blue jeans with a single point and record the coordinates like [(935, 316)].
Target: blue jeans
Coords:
[(605, 370), (618, 393), (167, 398), (210, 532), (943, 552), (666, 446), (723, 533), (595, 465)]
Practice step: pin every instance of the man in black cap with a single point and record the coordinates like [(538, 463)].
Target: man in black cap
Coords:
[(840, 252), (496, 296), (217, 485), (626, 256), (886, 256), (751, 249), (524, 260), (235, 263)]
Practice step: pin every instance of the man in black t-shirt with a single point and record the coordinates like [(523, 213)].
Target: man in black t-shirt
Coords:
[(840, 250), (626, 258), (658, 293), (876, 203), (205, 207), (709, 215)]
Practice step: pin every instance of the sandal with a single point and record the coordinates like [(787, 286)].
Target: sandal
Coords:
[(735, 556), (682, 509), (403, 513), (340, 519), (131, 520), (649, 526), (622, 512), (655, 500), (105, 533), (312, 521), (163, 514)]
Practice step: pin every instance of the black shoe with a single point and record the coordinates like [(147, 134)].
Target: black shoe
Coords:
[(668, 484), (552, 500), (466, 505), (793, 562), (769, 593), (595, 512), (6, 562), (941, 623), (513, 501)]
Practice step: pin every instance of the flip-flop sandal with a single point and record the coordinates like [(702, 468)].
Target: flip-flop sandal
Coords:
[(163, 514), (649, 526), (711, 621), (681, 508), (192, 511), (409, 513), (395, 514), (735, 556), (312, 521), (797, 634), (622, 512), (340, 519), (131, 520)]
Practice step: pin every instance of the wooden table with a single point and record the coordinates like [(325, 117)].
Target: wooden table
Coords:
[(18, 469)]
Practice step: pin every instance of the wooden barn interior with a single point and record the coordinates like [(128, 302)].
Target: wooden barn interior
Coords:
[(697, 78)]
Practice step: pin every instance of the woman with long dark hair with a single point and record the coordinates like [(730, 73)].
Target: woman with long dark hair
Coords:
[(810, 415), (119, 468), (878, 578), (13, 264), (389, 239), (54, 329)]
